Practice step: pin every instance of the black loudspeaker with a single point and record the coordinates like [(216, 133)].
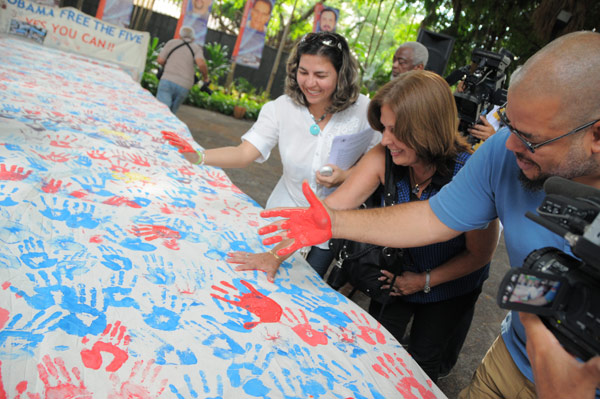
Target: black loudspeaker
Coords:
[(439, 46)]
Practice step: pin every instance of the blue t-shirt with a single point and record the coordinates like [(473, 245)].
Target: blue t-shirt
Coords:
[(488, 187)]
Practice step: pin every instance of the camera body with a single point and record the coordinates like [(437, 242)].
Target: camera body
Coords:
[(563, 290), (483, 87)]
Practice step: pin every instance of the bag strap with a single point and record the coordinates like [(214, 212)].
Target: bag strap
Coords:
[(190, 47), (171, 52)]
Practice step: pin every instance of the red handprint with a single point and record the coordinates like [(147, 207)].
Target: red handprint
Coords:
[(388, 368), (62, 143), (366, 330), (96, 154), (267, 310), (14, 173), (64, 387), (119, 168), (305, 330), (138, 160), (177, 141), (307, 226), (152, 232), (53, 157), (118, 201), (53, 186), (92, 358)]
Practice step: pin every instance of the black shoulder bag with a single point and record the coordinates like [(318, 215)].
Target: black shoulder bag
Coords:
[(359, 263), (161, 68)]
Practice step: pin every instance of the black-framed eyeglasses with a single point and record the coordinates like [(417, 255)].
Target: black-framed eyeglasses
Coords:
[(531, 146), (324, 38)]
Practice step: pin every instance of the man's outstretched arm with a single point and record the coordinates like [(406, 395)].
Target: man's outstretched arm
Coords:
[(400, 226)]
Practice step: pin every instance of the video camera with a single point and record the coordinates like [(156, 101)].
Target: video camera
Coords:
[(483, 86), (564, 291)]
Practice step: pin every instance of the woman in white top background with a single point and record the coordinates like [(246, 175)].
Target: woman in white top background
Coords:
[(320, 120)]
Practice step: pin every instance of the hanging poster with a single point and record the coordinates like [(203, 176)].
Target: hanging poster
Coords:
[(195, 14), (251, 39), (325, 18), (116, 12)]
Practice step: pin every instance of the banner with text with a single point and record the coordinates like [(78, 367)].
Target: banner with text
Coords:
[(71, 30)]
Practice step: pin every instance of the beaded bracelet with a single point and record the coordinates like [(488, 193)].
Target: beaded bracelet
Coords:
[(201, 158)]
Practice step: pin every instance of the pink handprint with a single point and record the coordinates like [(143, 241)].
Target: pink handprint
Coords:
[(388, 368), (267, 310), (14, 174), (62, 142), (96, 154), (138, 160), (92, 358), (53, 186), (139, 389), (307, 226), (366, 330), (53, 157), (65, 386), (305, 330), (177, 141), (118, 201), (152, 232)]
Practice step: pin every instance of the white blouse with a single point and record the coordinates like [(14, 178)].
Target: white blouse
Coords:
[(302, 154)]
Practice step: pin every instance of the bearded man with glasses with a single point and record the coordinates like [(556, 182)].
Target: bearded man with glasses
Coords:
[(553, 129)]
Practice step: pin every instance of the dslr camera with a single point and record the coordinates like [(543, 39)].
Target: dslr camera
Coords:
[(563, 290), (483, 87)]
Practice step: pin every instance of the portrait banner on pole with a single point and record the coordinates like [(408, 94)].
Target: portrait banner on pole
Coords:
[(116, 12), (195, 13), (325, 19), (251, 39)]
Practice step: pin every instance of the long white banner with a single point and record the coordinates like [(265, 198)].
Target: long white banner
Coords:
[(71, 30)]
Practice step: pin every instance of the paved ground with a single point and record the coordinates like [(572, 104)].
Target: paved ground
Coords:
[(213, 130)]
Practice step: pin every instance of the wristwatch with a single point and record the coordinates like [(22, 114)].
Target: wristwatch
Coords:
[(427, 288)]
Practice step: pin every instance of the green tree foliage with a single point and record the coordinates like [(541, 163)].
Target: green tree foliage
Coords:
[(520, 26)]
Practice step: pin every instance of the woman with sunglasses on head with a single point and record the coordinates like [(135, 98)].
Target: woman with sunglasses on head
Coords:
[(321, 104)]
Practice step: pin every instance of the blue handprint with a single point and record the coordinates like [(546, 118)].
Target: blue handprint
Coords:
[(113, 259), (237, 243), (96, 186), (159, 271), (193, 392), (34, 255), (18, 340), (74, 214), (184, 356), (222, 345), (118, 295), (163, 318), (7, 200), (83, 318), (12, 232), (117, 235)]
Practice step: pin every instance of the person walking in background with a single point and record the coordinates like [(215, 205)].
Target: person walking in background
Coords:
[(179, 58), (321, 113), (409, 56)]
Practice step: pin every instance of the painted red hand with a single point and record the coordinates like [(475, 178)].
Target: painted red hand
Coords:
[(267, 310), (177, 141), (306, 226)]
